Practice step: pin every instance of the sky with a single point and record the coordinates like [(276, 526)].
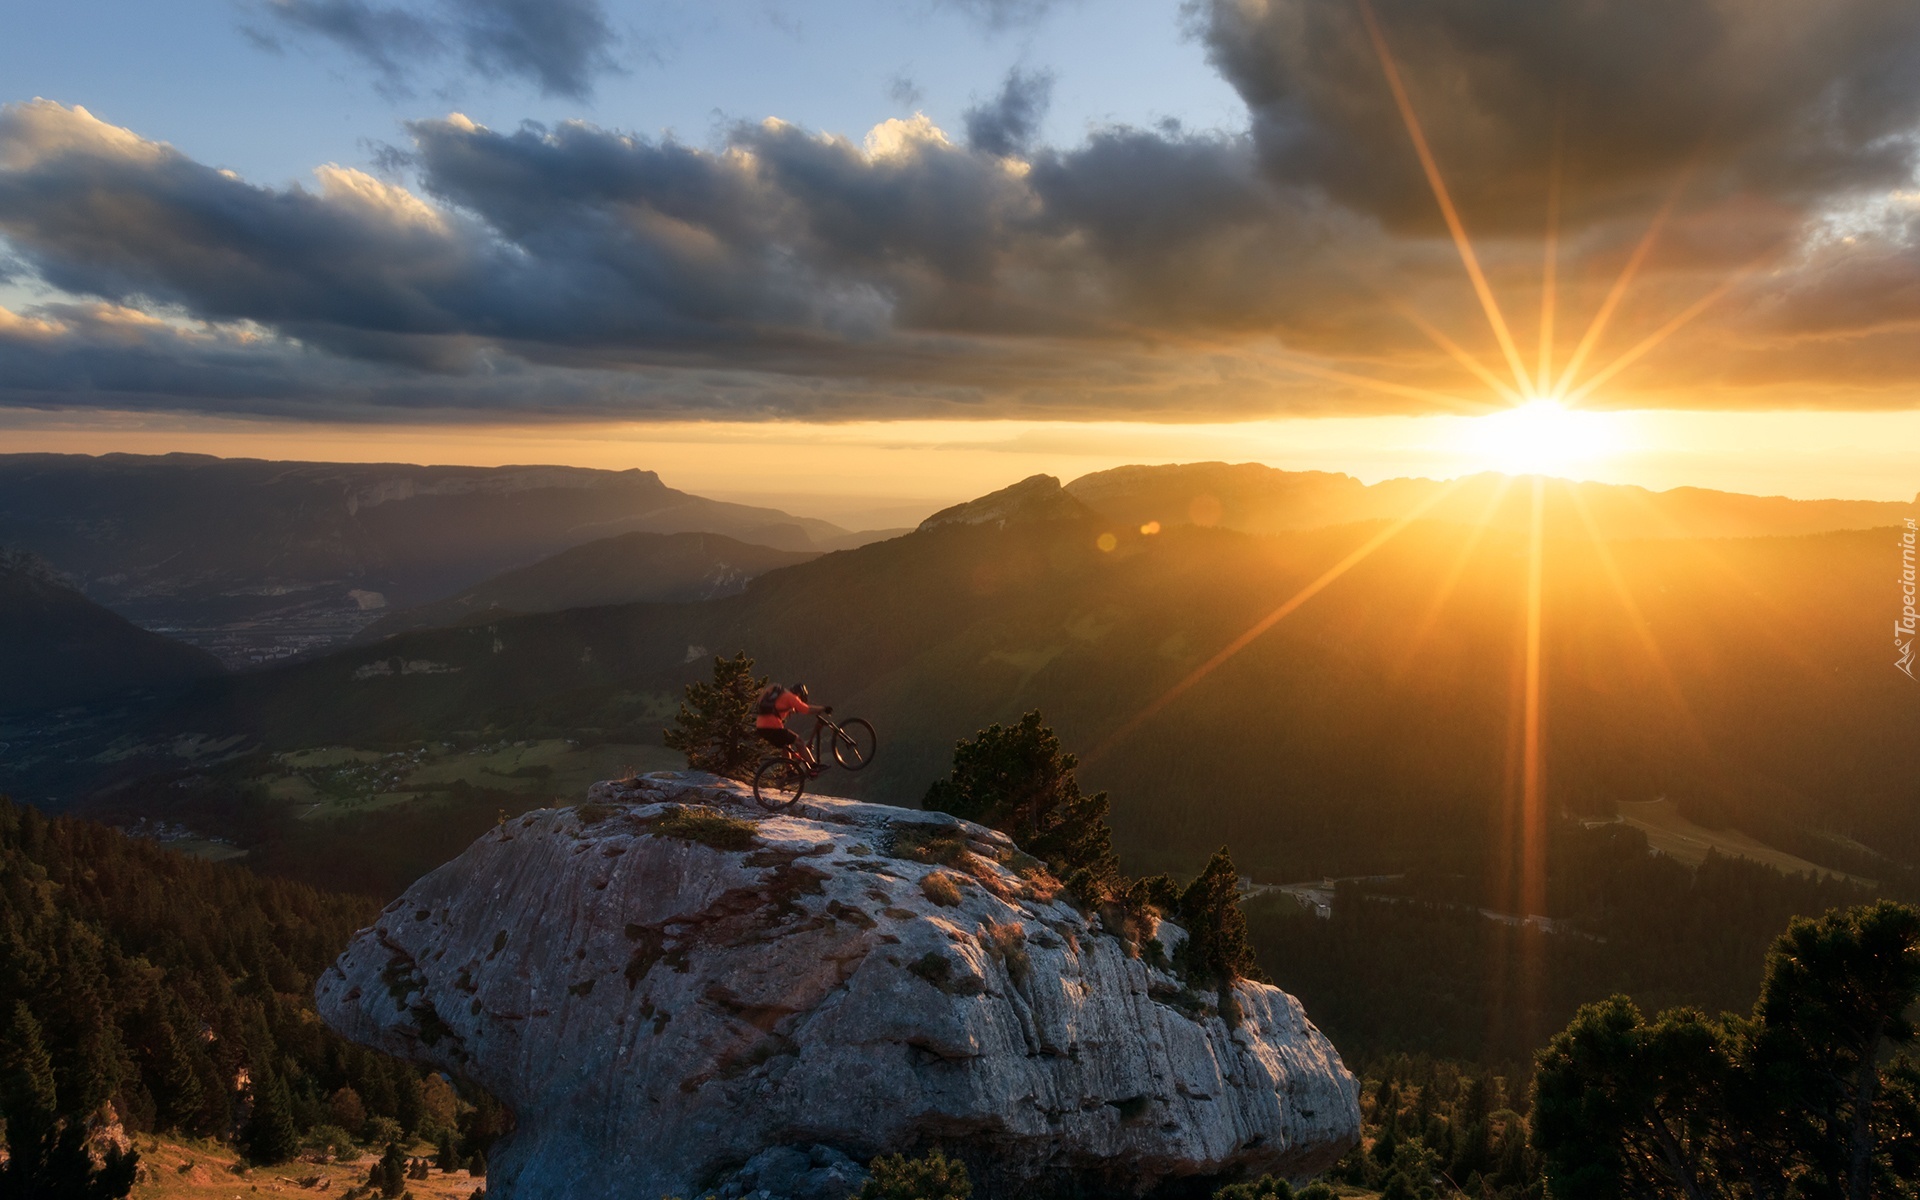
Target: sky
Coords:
[(891, 254)]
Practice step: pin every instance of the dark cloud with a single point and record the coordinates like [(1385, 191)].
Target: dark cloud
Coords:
[(1798, 101), (561, 46), (579, 269), (908, 259), (903, 91), (1008, 124)]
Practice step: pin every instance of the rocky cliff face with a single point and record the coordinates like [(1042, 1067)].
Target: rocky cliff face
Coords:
[(675, 993)]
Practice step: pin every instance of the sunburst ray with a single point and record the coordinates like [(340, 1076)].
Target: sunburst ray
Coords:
[(1267, 622), (1461, 242), (1431, 616)]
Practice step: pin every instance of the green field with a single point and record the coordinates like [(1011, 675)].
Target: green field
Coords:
[(1672, 834), (332, 782)]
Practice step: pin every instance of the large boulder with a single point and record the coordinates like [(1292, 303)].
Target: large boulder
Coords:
[(666, 983)]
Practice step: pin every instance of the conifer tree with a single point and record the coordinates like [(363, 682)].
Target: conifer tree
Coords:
[(1217, 950), (714, 727), (1017, 779), (47, 1154), (389, 1175), (27, 1095), (269, 1136), (1691, 1107), (183, 1099)]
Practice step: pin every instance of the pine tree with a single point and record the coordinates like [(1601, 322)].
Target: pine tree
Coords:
[(48, 1156), (1217, 950), (389, 1175), (1692, 1106), (714, 727), (183, 1101), (1018, 780), (27, 1095), (269, 1136)]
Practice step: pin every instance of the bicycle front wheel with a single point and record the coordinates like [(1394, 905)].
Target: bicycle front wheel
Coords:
[(778, 782), (853, 744)]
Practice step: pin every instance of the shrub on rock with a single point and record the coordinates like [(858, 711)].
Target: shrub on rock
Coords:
[(931, 1177)]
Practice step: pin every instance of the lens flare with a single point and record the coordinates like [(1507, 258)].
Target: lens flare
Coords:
[(1542, 437)]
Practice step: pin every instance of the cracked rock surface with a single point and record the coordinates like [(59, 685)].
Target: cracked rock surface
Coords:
[(666, 982)]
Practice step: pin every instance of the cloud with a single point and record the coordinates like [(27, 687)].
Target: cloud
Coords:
[(903, 91), (561, 46), (1793, 101), (1008, 124), (1297, 266)]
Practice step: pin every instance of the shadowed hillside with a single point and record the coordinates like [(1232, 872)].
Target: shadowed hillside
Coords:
[(627, 569), (60, 648)]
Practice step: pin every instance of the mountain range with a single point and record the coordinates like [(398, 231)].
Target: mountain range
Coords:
[(1745, 679), (257, 561)]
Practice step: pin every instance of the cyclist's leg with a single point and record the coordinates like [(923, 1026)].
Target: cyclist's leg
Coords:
[(784, 741)]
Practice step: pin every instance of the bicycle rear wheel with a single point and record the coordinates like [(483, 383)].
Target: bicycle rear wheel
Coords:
[(778, 782), (854, 743)]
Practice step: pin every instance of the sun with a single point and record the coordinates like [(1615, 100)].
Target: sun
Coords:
[(1541, 437)]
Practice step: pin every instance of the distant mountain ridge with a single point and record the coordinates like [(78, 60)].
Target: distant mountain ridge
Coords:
[(1256, 498), (58, 648), (1035, 498), (257, 560), (628, 569)]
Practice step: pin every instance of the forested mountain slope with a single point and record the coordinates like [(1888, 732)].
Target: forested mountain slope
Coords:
[(178, 990)]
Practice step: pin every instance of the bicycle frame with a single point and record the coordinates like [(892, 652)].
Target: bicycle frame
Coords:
[(821, 723)]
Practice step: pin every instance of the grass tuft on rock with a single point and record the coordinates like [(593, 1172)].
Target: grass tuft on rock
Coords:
[(708, 826), (941, 888)]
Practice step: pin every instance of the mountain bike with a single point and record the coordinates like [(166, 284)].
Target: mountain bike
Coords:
[(782, 777)]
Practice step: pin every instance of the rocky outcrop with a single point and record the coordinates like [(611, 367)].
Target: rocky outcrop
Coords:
[(677, 993)]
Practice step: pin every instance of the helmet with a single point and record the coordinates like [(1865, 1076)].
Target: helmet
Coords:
[(800, 690)]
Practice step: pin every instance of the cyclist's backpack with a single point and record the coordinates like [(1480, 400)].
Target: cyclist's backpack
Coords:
[(768, 698)]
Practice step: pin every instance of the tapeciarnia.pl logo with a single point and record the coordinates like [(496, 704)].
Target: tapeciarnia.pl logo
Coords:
[(1903, 629)]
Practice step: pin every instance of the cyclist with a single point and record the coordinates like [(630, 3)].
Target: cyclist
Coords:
[(770, 721)]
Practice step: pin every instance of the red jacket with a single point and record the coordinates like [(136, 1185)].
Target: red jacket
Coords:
[(784, 704)]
